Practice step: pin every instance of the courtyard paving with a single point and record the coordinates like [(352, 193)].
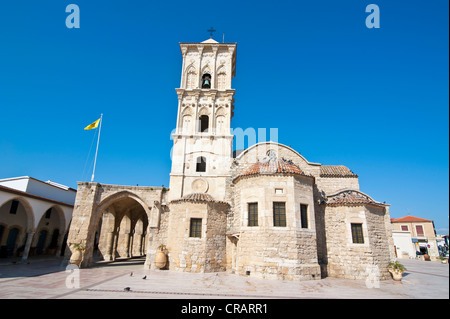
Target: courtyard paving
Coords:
[(49, 279)]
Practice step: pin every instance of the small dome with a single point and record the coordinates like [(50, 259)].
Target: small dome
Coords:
[(351, 197), (273, 165), (195, 197)]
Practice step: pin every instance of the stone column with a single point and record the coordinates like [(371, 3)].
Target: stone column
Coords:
[(107, 234), (109, 238), (130, 244), (83, 228), (26, 251)]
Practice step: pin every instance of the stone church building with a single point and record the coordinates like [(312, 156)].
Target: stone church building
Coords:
[(267, 212)]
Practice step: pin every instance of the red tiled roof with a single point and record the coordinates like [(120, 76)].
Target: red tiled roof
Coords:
[(336, 171), (273, 166), (409, 219), (351, 197), (198, 197)]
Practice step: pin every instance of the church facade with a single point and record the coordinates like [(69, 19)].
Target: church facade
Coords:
[(267, 212)]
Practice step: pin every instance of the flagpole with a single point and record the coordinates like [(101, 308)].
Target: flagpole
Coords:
[(96, 151)]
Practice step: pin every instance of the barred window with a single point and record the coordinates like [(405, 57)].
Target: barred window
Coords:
[(252, 214), (196, 228), (357, 234), (304, 215), (279, 214)]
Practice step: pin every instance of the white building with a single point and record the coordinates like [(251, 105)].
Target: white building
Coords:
[(34, 216), (404, 246)]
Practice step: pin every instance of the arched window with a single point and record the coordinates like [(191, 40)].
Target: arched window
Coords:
[(204, 123), (191, 78), (54, 241), (41, 242), (186, 124), (190, 82), (11, 241), (221, 81), (220, 124), (201, 164), (2, 229), (206, 81)]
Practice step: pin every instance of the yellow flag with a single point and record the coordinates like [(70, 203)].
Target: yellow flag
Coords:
[(93, 125)]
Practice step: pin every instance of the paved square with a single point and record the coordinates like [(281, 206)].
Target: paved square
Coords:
[(44, 279)]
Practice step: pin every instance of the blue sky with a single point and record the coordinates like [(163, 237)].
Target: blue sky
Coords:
[(375, 100)]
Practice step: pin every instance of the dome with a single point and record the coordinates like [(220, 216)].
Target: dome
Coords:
[(351, 197), (273, 165), (195, 197)]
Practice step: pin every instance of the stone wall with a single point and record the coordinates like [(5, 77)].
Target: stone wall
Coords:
[(346, 259), (330, 185), (157, 236), (269, 251), (278, 254), (192, 254), (92, 201)]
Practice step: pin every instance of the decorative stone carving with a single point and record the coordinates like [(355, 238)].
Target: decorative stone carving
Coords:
[(199, 186)]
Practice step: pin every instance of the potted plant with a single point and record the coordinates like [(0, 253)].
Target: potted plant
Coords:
[(161, 258), (77, 255), (443, 259), (396, 269)]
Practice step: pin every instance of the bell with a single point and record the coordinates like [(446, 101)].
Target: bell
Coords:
[(206, 83)]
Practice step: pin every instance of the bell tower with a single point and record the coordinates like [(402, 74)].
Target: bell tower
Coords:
[(202, 142)]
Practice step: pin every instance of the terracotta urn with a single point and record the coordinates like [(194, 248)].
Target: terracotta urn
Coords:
[(396, 274), (161, 258), (77, 257)]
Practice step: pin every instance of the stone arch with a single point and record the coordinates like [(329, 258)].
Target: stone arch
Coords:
[(191, 77), (187, 123), (118, 196), (220, 124), (114, 222), (53, 222), (220, 111), (28, 211), (206, 69), (187, 111), (12, 245), (204, 111), (22, 220), (221, 78)]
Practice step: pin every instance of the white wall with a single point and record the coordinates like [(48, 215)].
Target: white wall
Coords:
[(403, 242), (40, 188)]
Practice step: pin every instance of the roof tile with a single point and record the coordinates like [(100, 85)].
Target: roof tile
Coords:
[(408, 219), (351, 197), (336, 171), (273, 165)]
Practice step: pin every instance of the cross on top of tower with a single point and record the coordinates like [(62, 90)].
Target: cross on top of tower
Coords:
[(211, 31)]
